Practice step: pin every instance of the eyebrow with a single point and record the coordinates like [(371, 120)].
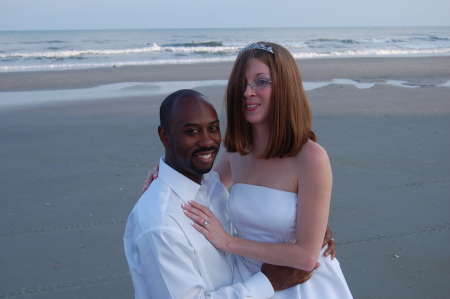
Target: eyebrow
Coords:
[(196, 125)]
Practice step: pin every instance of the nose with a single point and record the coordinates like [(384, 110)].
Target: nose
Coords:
[(206, 139), (249, 91)]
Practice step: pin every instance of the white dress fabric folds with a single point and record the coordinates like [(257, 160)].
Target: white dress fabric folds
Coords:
[(268, 215)]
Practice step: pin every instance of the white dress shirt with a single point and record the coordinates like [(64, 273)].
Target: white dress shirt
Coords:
[(168, 258)]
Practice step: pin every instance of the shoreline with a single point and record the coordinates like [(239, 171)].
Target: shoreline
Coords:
[(435, 68)]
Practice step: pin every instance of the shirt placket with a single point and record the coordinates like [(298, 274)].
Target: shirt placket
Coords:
[(202, 197)]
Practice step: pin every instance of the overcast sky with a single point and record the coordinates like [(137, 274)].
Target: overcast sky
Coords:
[(149, 14)]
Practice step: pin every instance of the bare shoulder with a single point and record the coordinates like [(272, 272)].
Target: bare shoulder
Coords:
[(312, 155), (224, 167), (309, 166), (314, 169)]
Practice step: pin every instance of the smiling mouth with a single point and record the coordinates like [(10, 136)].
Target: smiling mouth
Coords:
[(252, 107), (205, 156), (205, 159)]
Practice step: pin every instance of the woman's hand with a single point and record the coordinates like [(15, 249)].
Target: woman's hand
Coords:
[(206, 222), (152, 175)]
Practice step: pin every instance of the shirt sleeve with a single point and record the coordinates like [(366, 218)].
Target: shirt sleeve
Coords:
[(166, 266)]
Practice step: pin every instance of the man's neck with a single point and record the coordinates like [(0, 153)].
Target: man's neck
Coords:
[(196, 178)]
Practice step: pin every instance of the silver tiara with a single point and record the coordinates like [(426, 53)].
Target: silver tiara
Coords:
[(257, 46)]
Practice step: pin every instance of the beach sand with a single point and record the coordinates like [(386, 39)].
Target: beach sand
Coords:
[(71, 171)]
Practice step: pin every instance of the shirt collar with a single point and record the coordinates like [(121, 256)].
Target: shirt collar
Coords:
[(184, 187)]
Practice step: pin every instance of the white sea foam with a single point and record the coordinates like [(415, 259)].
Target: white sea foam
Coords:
[(109, 52), (417, 50), (48, 50), (373, 52), (74, 53), (38, 67)]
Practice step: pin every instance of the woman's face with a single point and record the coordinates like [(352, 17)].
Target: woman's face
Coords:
[(257, 102)]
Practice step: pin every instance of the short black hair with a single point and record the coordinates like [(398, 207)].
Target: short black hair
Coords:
[(165, 111)]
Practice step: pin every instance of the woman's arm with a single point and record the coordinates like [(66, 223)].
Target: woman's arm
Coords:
[(313, 206), (152, 175), (314, 189)]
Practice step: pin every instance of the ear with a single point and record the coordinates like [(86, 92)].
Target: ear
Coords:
[(164, 136)]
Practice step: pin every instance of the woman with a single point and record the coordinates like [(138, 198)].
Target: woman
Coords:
[(281, 178)]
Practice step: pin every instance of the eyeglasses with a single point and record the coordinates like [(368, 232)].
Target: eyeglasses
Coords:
[(259, 84)]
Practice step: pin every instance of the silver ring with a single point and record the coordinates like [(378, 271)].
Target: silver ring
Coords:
[(204, 223)]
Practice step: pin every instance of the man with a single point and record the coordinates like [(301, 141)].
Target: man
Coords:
[(167, 257)]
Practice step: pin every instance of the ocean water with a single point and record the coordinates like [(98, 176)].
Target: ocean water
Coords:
[(50, 50)]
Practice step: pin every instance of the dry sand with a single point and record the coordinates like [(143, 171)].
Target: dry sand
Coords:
[(71, 171)]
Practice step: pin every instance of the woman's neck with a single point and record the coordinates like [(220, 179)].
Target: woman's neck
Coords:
[(260, 138)]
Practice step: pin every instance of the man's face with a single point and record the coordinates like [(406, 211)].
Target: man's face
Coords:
[(193, 138)]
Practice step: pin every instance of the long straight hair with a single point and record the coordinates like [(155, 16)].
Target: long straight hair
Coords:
[(290, 113)]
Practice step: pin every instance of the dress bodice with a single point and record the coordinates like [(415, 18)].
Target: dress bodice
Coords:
[(262, 214), (269, 215)]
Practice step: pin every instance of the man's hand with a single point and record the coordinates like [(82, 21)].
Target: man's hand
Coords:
[(283, 278), (328, 240)]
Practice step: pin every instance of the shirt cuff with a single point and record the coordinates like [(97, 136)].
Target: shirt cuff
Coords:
[(260, 286)]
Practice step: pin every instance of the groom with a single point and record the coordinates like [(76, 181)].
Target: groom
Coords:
[(167, 257)]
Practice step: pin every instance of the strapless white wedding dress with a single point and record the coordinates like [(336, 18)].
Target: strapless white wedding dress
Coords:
[(268, 215)]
